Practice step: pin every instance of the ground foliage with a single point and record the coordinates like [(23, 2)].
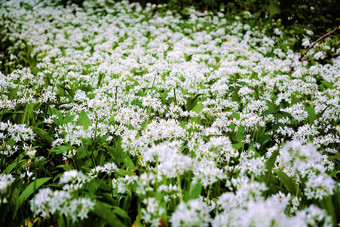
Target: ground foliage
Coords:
[(294, 14), (116, 114)]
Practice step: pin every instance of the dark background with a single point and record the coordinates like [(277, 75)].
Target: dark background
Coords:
[(317, 15)]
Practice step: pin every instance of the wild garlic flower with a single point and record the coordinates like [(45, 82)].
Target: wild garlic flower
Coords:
[(153, 211), (314, 216), (305, 163), (193, 213), (47, 203), (169, 162), (108, 168), (17, 132), (207, 172), (123, 184), (73, 180), (5, 181)]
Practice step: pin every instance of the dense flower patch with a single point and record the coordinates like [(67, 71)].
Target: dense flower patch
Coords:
[(116, 114)]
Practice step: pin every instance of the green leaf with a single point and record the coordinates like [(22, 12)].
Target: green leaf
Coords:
[(82, 152), (122, 172), (120, 212), (327, 84), (287, 182), (183, 124), (107, 213), (270, 109), (107, 197), (240, 133), (235, 97), (328, 204), (29, 190), (198, 108), (195, 190), (68, 118), (28, 113), (294, 99), (61, 149), (237, 146), (59, 120), (273, 8), (267, 112), (191, 103), (236, 115), (84, 120), (311, 115), (269, 166), (129, 163), (264, 139), (285, 114), (13, 165), (43, 134), (196, 120)]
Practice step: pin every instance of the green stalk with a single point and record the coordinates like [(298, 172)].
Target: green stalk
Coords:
[(209, 190), (179, 188), (74, 162), (16, 167)]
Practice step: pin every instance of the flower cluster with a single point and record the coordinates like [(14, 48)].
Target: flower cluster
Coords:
[(147, 118)]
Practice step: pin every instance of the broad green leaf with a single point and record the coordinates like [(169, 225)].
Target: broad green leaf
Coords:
[(129, 163), (43, 134), (107, 197), (61, 149), (13, 165), (237, 146), (327, 84), (267, 112), (336, 203), (264, 139), (285, 114), (59, 119), (84, 120), (183, 124), (294, 99), (120, 212), (311, 115), (191, 103), (29, 190), (195, 190), (236, 115), (269, 166), (28, 113), (82, 152), (68, 118), (273, 8), (197, 120), (287, 182), (106, 213), (68, 90), (329, 205), (240, 133), (235, 97), (198, 108), (270, 109), (124, 172)]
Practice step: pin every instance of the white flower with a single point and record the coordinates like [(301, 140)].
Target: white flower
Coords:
[(171, 163), (192, 213), (31, 153), (5, 181), (47, 203), (73, 180), (153, 211)]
